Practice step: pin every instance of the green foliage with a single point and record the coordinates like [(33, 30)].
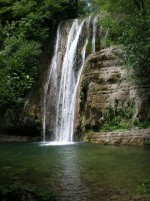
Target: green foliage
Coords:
[(84, 8), (128, 24), (121, 118), (144, 188), (141, 124), (24, 27), (118, 118), (19, 61), (111, 28)]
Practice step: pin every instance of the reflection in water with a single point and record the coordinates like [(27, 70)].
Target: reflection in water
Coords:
[(76, 172), (73, 188)]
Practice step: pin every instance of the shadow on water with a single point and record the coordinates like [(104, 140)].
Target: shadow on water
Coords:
[(75, 171)]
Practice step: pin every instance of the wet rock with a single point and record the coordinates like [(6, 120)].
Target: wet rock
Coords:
[(15, 138)]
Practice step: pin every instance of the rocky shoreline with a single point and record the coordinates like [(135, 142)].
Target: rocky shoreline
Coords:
[(133, 137), (17, 138)]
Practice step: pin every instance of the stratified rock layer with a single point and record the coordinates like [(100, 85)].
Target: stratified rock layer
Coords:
[(105, 81), (133, 137)]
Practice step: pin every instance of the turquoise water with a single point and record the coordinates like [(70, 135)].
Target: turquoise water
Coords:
[(76, 172)]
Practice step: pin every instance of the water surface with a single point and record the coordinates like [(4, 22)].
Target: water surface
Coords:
[(77, 171)]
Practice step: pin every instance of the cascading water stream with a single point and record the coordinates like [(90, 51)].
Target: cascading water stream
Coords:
[(73, 103), (64, 75), (55, 62), (94, 32), (65, 110)]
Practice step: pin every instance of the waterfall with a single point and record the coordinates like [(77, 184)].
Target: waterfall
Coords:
[(54, 64), (60, 90), (94, 32)]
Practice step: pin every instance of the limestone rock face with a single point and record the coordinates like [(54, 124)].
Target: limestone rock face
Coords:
[(133, 137), (105, 81)]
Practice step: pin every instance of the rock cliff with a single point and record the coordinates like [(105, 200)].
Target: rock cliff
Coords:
[(106, 87)]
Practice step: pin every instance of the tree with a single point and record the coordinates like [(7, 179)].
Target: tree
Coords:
[(24, 27), (128, 23)]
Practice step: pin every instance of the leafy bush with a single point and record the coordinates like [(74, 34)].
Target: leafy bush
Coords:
[(118, 119), (141, 124), (144, 188), (122, 119), (24, 27), (19, 62)]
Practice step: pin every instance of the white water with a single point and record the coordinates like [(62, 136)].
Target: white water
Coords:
[(53, 71), (64, 87), (55, 143), (94, 32)]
